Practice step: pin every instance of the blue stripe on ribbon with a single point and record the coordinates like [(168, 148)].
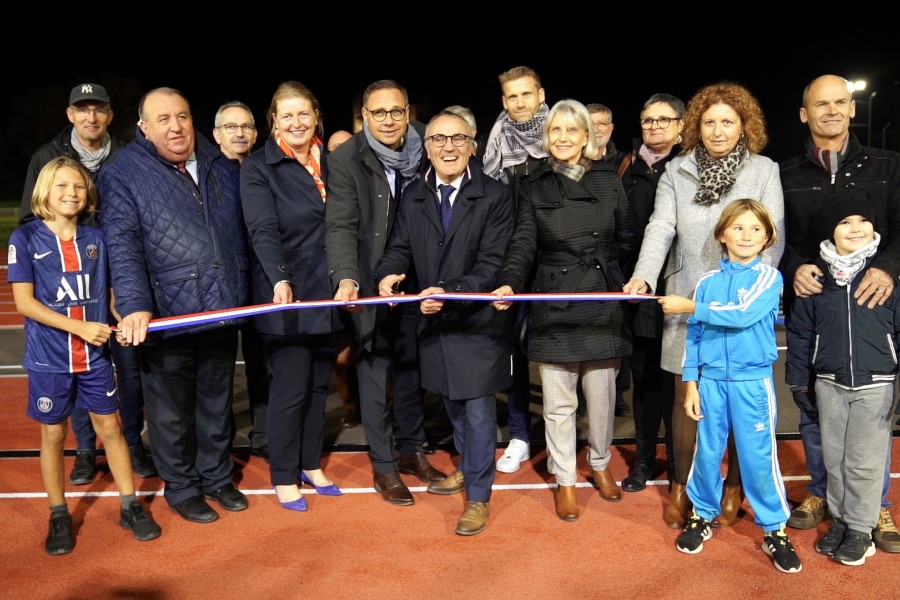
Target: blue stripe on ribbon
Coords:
[(165, 323)]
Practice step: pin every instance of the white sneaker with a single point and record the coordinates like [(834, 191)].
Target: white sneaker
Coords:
[(516, 452)]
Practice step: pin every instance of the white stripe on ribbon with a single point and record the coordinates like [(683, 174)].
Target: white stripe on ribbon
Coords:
[(259, 309)]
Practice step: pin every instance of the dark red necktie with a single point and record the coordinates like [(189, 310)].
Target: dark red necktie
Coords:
[(182, 168)]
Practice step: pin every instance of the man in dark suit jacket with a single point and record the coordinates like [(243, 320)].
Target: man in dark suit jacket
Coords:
[(367, 174), (455, 241)]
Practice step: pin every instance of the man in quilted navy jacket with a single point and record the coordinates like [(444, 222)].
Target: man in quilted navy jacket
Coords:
[(172, 217)]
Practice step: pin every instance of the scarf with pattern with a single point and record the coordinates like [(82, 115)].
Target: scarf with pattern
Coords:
[(827, 159), (510, 143), (845, 267), (91, 160), (575, 172), (313, 162), (717, 174)]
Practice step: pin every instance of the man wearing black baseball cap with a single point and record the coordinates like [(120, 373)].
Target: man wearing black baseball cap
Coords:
[(87, 140), (88, 92)]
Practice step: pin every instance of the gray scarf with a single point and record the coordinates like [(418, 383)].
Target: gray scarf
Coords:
[(91, 160), (510, 143), (845, 267), (405, 161)]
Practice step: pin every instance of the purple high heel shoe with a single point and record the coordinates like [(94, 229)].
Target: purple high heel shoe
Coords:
[(299, 504), (325, 490)]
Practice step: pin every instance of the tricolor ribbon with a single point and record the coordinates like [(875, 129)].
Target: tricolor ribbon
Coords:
[(212, 316)]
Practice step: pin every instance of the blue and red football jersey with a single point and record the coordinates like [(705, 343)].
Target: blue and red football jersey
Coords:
[(70, 277)]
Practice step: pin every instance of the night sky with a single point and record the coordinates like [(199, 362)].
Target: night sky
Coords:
[(214, 57)]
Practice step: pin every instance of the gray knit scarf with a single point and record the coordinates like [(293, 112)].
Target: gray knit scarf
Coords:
[(405, 161), (91, 160), (845, 267), (717, 174), (510, 143)]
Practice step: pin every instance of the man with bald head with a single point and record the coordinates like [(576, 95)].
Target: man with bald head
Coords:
[(834, 159), (175, 231), (337, 138), (453, 227)]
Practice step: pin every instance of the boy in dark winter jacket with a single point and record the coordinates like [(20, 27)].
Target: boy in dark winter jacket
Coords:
[(852, 350)]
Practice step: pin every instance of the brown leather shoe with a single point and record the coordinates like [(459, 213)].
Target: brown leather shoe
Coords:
[(452, 484), (676, 513), (732, 497), (567, 503), (393, 490), (419, 466), (607, 485), (473, 519)]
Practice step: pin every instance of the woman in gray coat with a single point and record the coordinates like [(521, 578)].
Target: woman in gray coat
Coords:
[(574, 230), (724, 131)]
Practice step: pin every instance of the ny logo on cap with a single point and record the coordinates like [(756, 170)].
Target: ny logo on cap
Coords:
[(87, 89)]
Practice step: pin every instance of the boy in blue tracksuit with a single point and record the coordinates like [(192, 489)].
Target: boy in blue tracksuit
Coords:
[(729, 353), (852, 350)]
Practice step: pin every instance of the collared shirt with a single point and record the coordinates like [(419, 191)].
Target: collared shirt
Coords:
[(456, 183)]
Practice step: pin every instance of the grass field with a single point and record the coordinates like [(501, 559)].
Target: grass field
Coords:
[(9, 214)]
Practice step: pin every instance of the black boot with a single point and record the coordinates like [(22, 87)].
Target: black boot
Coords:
[(639, 474)]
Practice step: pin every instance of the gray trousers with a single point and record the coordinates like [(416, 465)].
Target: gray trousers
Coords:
[(856, 433)]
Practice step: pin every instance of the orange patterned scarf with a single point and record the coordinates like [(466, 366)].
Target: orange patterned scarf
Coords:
[(313, 159)]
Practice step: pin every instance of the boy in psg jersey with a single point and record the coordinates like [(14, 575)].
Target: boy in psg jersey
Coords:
[(58, 272)]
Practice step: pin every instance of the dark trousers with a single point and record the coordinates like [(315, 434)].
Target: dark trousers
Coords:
[(393, 357), (518, 397), (188, 383), (259, 378), (131, 400), (652, 397), (301, 372), (475, 438)]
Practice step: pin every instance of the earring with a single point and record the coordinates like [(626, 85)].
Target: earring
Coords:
[(679, 139)]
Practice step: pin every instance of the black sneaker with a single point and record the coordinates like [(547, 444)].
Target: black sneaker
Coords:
[(833, 538), (138, 522), (85, 468), (60, 539), (141, 463), (697, 531), (857, 547), (778, 545)]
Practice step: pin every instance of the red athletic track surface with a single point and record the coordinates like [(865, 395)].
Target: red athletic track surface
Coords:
[(357, 546)]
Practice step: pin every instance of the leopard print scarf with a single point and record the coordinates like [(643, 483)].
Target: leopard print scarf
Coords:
[(717, 174)]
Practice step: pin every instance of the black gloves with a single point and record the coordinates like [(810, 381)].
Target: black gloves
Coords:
[(806, 402)]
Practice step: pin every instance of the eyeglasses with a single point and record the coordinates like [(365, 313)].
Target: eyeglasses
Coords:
[(233, 127), (396, 113), (83, 111), (602, 124), (458, 139), (661, 122)]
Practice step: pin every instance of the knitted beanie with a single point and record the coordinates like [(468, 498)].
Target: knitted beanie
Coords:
[(840, 205)]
